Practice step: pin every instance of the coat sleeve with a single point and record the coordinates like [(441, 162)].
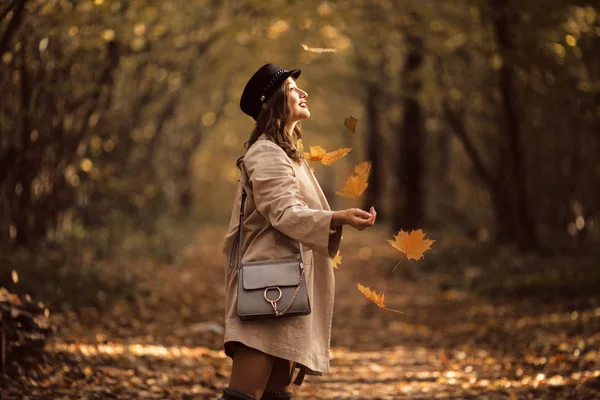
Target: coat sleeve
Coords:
[(278, 199)]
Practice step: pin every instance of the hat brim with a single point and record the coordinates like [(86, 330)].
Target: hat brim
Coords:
[(295, 73)]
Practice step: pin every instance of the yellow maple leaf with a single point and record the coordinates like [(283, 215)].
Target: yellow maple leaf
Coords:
[(333, 156), (356, 184), (337, 260), (317, 153), (377, 298), (412, 244), (350, 123), (299, 146)]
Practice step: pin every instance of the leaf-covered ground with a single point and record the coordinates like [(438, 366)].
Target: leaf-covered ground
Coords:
[(165, 342)]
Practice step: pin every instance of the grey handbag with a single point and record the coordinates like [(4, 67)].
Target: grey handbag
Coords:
[(270, 288)]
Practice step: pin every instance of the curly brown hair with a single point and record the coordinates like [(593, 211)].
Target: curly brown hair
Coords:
[(272, 120)]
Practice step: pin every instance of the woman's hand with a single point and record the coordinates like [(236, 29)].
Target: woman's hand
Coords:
[(354, 217)]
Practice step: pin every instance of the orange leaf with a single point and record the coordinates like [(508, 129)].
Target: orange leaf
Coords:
[(299, 146), (377, 298), (412, 244), (356, 184), (350, 123), (317, 153), (337, 260), (317, 49), (333, 156)]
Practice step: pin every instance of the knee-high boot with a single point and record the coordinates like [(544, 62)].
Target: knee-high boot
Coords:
[(232, 394), (280, 395)]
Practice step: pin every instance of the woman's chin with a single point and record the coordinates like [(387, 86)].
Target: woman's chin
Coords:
[(299, 116)]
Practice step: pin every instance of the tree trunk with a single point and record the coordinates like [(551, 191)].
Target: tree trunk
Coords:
[(375, 191), (409, 211), (511, 127)]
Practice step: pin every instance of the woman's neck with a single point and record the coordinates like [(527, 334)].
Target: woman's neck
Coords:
[(289, 128)]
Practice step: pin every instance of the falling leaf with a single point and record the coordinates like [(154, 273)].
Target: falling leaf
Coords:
[(356, 184), (299, 146), (15, 276), (317, 153), (337, 260), (317, 49), (333, 156), (350, 123), (372, 295), (377, 298), (412, 244)]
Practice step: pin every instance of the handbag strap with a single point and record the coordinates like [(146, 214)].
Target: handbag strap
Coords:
[(237, 244)]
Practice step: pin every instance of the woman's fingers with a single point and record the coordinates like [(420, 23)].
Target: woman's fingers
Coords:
[(370, 220), (358, 213), (361, 219)]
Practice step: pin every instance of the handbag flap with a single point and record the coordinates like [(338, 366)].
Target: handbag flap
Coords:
[(271, 273)]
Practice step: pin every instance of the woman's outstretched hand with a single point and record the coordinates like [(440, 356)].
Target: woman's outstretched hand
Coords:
[(354, 217)]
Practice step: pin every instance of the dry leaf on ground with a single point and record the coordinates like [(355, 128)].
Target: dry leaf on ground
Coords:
[(357, 183), (412, 244)]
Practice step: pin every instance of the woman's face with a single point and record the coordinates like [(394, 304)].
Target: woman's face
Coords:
[(296, 102)]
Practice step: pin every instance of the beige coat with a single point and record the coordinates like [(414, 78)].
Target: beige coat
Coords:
[(285, 204)]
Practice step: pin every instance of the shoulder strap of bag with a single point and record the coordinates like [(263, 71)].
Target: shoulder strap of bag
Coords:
[(300, 376), (237, 244)]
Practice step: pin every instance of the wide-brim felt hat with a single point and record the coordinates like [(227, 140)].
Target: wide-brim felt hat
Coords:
[(262, 85)]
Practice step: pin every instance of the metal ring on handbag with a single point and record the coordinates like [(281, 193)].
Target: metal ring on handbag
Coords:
[(273, 302), (272, 287)]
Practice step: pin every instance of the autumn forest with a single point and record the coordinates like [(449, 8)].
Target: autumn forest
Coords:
[(471, 126)]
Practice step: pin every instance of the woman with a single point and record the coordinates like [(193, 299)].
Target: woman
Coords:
[(285, 205)]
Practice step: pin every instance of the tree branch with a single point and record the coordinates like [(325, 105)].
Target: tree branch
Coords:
[(459, 129), (5, 12), (105, 80), (457, 125), (13, 26)]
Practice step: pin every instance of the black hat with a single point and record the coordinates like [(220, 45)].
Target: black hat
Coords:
[(263, 84)]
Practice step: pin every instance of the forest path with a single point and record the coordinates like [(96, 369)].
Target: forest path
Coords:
[(450, 344)]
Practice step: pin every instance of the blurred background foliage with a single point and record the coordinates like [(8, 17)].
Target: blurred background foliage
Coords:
[(120, 124)]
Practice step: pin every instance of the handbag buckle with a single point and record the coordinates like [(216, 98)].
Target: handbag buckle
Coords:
[(273, 301)]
